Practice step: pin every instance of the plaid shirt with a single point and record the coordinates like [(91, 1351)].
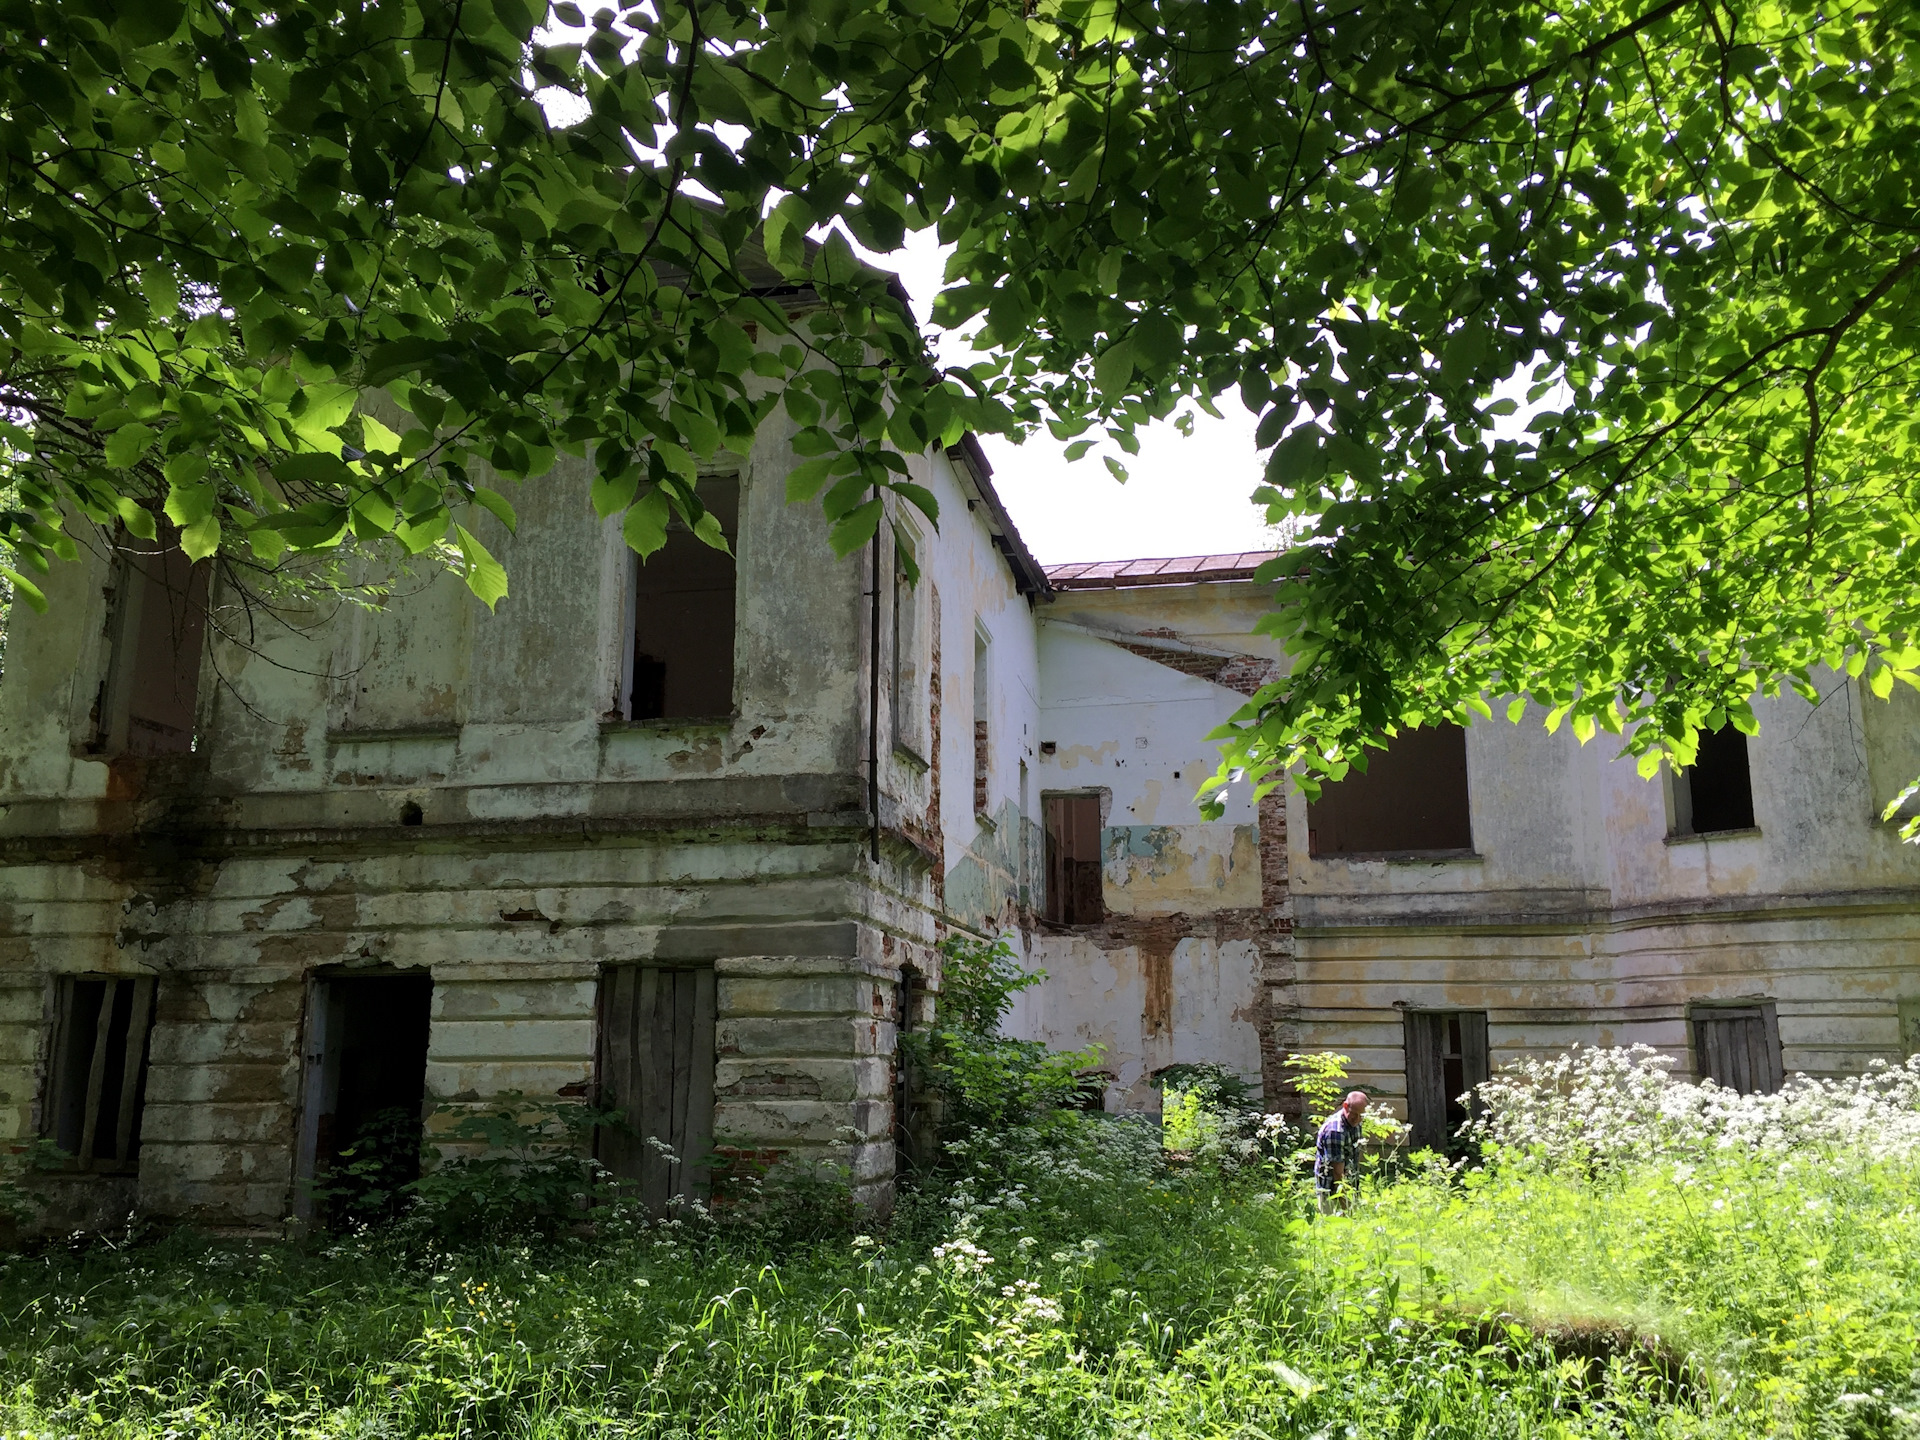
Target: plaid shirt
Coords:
[(1338, 1143)]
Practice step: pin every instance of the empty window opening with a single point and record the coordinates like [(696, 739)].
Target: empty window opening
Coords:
[(97, 1070), (1909, 1010), (982, 708), (157, 630), (655, 1067), (1738, 1046), (1072, 825), (1412, 800), (366, 1085), (679, 665), (1715, 793), (909, 689), (1446, 1059)]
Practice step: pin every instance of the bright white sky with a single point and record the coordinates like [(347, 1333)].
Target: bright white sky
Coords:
[(1182, 496)]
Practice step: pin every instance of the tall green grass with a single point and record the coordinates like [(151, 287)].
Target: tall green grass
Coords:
[(1065, 1279)]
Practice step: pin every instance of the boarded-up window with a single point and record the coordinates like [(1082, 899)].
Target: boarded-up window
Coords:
[(656, 1069), (1446, 1058), (1073, 859), (1412, 800), (159, 624), (97, 1075), (1738, 1046), (680, 665), (1715, 793)]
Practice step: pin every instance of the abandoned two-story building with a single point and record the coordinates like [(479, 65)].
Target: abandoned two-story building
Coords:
[(683, 836)]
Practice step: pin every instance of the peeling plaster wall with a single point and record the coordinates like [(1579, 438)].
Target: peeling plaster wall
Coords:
[(550, 841), (1579, 920), (1196, 928)]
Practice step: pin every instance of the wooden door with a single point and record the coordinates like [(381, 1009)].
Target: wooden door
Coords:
[(1739, 1047), (1446, 1057), (656, 1068)]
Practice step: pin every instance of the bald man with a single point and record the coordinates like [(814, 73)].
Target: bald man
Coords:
[(1336, 1153)]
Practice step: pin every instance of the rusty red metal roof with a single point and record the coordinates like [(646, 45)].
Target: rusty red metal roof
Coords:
[(1176, 570)]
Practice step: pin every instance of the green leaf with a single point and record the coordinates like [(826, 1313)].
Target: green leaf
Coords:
[(1114, 369), (127, 444), (921, 498), (137, 518), (496, 504), (202, 537), (146, 22), (855, 528), (485, 576), (645, 528), (35, 597)]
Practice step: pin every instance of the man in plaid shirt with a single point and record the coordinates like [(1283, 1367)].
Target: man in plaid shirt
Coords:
[(1336, 1153)]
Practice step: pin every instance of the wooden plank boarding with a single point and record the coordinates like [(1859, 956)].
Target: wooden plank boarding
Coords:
[(1738, 1046), (656, 1067)]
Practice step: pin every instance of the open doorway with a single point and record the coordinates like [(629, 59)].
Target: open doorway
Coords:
[(365, 1084)]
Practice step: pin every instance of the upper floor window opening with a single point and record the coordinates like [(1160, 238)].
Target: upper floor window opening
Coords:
[(1412, 799), (982, 708), (156, 634), (1714, 795), (910, 690), (678, 660)]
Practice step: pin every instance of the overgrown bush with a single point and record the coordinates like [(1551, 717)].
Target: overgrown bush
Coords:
[(1610, 1107), (986, 1080)]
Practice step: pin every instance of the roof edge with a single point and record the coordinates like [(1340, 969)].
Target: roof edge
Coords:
[(1029, 575)]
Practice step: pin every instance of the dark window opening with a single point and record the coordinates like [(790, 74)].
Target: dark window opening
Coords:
[(97, 1072), (149, 698), (366, 1089), (680, 666), (1412, 800), (1072, 825), (1738, 1046), (656, 1067), (1446, 1058), (909, 687), (1715, 793)]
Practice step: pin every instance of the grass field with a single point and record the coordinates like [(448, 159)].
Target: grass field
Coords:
[(1657, 1261)]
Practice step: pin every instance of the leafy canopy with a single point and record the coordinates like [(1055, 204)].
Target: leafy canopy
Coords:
[(1684, 235)]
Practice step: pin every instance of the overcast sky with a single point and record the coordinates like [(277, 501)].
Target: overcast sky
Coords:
[(1182, 497)]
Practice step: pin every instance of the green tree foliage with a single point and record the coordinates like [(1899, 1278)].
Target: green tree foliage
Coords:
[(1681, 234)]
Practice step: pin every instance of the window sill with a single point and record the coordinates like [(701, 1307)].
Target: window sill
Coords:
[(1407, 857), (984, 821), (1750, 832), (670, 723), (910, 759)]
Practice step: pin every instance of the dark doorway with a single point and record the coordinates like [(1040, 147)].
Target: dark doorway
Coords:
[(1715, 793), (1446, 1058), (1073, 895), (656, 1066), (1411, 800), (366, 1081), (680, 666)]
